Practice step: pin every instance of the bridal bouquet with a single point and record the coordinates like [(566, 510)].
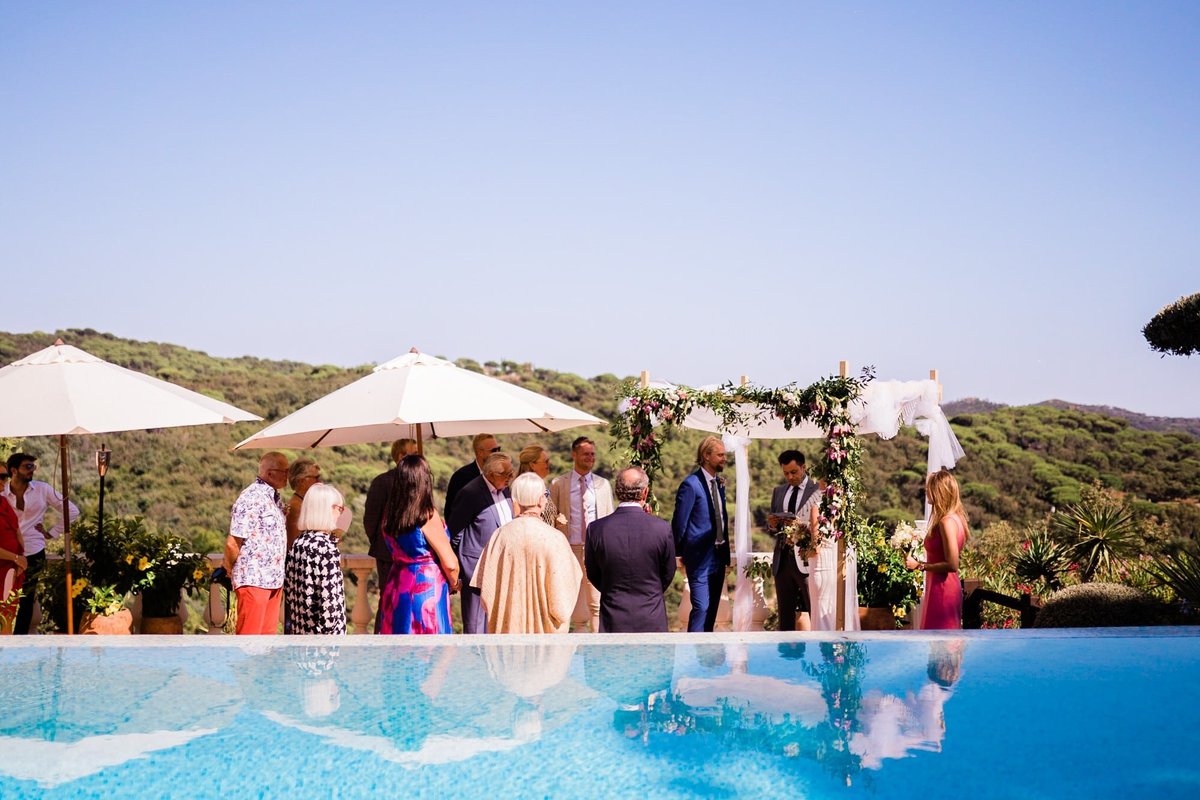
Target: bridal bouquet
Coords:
[(796, 534), (909, 540)]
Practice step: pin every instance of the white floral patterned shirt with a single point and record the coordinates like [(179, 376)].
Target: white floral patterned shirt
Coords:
[(258, 520)]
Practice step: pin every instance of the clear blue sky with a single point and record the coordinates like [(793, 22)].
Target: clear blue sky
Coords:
[(1004, 191)]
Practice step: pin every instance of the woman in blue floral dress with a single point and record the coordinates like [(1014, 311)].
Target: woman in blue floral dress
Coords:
[(416, 597)]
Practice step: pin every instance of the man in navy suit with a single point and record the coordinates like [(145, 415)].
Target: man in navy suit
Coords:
[(482, 506), (630, 559), (701, 529)]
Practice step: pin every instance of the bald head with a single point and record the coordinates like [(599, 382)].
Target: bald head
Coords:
[(273, 468), (632, 485)]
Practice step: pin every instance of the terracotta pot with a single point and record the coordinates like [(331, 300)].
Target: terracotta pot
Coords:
[(118, 624), (876, 619), (162, 625)]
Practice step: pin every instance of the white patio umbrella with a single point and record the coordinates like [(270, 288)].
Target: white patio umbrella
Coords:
[(62, 391), (431, 397)]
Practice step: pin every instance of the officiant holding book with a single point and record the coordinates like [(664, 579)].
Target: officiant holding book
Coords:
[(793, 518)]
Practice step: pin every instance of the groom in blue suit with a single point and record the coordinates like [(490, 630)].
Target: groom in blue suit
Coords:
[(701, 530)]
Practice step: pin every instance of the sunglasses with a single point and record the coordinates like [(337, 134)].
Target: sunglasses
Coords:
[(495, 449)]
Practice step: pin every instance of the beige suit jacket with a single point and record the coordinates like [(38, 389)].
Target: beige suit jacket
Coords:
[(560, 493)]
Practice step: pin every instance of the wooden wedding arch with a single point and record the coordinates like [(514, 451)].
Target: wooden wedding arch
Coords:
[(836, 409)]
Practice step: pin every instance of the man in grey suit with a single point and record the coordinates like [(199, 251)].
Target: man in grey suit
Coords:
[(793, 501), (482, 506), (630, 558)]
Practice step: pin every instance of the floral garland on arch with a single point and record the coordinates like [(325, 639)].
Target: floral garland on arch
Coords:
[(648, 416)]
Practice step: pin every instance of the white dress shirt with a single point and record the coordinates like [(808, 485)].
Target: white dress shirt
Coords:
[(39, 497)]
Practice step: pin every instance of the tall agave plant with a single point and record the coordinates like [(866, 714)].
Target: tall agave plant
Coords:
[(1096, 535)]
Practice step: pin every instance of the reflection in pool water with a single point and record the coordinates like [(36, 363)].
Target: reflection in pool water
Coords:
[(990, 715)]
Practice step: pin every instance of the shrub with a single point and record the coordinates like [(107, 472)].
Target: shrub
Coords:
[(1100, 605)]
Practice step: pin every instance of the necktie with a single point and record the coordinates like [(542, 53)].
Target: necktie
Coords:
[(718, 517), (582, 508), (792, 502)]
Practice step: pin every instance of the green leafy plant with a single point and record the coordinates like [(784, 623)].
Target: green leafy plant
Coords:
[(1041, 560), (758, 569), (103, 600), (1096, 534), (883, 579), (1180, 572)]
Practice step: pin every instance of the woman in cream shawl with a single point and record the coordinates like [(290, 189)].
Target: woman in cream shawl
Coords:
[(527, 576)]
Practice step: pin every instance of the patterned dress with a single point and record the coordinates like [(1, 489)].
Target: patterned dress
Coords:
[(314, 587), (416, 597)]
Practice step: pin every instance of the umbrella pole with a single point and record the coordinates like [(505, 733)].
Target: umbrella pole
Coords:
[(420, 442), (66, 518)]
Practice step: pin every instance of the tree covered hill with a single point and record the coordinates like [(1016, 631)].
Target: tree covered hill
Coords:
[(1020, 461)]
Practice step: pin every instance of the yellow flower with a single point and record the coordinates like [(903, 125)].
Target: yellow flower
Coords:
[(129, 559), (882, 567), (198, 574), (77, 587), (143, 563)]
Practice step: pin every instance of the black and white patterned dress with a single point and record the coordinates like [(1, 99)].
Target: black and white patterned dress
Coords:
[(314, 587)]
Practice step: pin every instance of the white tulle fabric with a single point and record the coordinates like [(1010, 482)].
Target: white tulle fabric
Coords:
[(882, 409)]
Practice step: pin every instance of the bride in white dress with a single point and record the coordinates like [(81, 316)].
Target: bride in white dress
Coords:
[(822, 579)]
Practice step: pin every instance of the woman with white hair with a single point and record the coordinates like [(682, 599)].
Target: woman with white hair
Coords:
[(313, 583), (527, 576)]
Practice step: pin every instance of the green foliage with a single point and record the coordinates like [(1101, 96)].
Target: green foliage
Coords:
[(1101, 605), (1041, 560), (1096, 534), (1181, 573), (104, 600), (883, 579), (1176, 329)]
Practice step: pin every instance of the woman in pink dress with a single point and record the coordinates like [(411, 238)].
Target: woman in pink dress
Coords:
[(942, 603)]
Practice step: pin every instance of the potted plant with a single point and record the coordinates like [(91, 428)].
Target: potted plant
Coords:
[(170, 570), (106, 612), (887, 589)]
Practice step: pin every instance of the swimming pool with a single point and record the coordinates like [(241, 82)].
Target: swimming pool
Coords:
[(981, 715)]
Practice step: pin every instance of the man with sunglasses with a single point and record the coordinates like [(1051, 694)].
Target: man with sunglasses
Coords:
[(485, 445), (31, 499)]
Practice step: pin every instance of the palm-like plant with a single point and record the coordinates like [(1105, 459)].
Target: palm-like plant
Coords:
[(1181, 572), (1097, 534), (1041, 559)]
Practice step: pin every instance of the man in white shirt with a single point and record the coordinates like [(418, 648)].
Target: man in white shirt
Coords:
[(30, 499), (582, 497)]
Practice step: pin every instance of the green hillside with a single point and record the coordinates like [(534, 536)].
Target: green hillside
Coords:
[(1020, 461)]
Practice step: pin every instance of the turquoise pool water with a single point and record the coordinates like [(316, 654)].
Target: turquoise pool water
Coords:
[(981, 715)]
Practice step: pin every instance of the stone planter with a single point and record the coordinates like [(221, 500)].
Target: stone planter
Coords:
[(118, 624), (172, 626), (876, 619)]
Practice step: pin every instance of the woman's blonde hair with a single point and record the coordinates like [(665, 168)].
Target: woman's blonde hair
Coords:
[(316, 512), (941, 489), (527, 457)]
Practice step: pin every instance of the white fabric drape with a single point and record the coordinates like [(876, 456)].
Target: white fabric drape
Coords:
[(743, 596)]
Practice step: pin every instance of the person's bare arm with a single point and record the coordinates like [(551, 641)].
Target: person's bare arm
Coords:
[(233, 549), (435, 534)]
